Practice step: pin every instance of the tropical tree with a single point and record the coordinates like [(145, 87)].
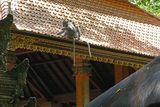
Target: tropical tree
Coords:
[(152, 6)]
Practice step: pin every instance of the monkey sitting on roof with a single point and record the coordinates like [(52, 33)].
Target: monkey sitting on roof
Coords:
[(70, 30)]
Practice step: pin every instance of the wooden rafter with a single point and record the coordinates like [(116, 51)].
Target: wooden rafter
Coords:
[(51, 73), (41, 81), (35, 89)]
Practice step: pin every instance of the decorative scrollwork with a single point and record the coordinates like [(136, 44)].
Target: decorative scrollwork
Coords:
[(12, 82)]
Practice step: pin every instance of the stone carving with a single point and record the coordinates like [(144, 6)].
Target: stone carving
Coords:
[(4, 39), (12, 81)]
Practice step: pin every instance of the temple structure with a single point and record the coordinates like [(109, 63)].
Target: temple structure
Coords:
[(122, 38)]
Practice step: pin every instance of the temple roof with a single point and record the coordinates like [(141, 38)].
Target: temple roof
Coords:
[(113, 24)]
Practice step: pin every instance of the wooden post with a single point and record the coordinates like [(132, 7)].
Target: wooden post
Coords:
[(82, 83), (120, 72)]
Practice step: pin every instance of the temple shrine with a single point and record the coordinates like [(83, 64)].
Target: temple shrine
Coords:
[(116, 38)]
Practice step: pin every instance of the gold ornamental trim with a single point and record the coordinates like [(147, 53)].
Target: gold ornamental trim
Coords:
[(39, 44)]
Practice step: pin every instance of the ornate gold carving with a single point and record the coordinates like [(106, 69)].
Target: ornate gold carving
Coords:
[(64, 48)]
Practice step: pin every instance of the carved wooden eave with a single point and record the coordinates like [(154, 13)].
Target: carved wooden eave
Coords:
[(61, 46)]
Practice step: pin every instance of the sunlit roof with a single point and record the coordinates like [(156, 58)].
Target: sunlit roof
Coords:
[(3, 8), (98, 27)]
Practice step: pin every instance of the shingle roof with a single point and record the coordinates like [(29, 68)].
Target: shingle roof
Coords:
[(109, 23)]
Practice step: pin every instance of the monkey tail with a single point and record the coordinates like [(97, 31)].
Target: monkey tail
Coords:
[(89, 49)]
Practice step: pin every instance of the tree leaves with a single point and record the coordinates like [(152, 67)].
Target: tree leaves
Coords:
[(152, 6)]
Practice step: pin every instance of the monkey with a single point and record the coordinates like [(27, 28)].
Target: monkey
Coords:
[(70, 30)]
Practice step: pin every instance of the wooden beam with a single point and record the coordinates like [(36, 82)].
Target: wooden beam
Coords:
[(37, 86), (95, 84), (98, 76), (59, 73), (19, 52), (67, 74), (35, 89), (39, 63), (51, 71), (40, 80), (48, 44), (120, 72)]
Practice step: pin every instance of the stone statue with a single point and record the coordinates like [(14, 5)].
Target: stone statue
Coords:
[(4, 39), (20, 74), (12, 81)]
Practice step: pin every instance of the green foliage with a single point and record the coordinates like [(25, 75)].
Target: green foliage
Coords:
[(152, 6)]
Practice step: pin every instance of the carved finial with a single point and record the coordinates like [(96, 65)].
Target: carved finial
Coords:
[(9, 6)]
